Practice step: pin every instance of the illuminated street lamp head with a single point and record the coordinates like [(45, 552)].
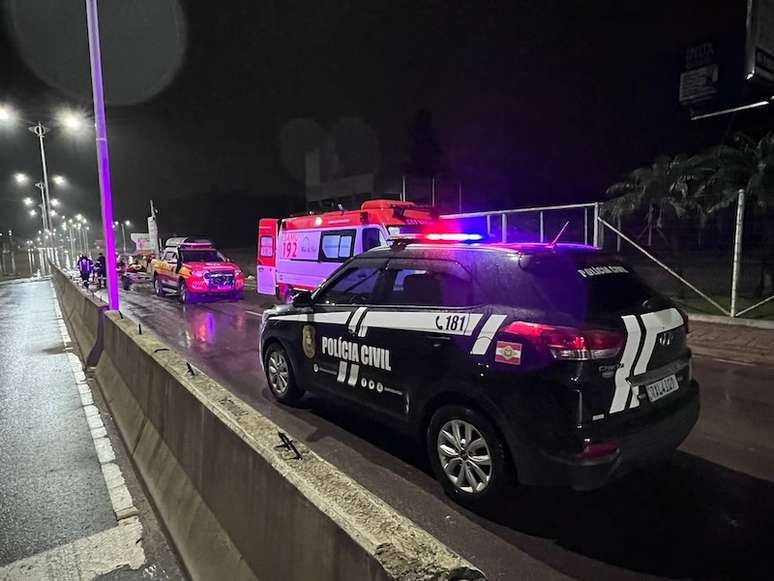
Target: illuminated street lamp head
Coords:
[(71, 120), (127, 223), (52, 213), (59, 180), (7, 114), (28, 201), (55, 203), (21, 178), (33, 213)]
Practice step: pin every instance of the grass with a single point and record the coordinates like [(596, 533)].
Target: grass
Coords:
[(693, 303)]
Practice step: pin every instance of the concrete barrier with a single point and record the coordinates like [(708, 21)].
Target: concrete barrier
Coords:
[(83, 313), (236, 506)]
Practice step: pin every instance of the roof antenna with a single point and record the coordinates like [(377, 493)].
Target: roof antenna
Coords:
[(558, 236)]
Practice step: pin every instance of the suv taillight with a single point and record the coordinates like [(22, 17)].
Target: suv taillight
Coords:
[(568, 342)]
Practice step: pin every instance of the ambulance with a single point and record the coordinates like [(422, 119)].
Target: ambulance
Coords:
[(299, 253)]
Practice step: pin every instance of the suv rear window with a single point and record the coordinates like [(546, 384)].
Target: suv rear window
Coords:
[(583, 285)]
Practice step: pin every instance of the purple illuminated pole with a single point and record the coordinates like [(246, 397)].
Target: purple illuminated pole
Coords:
[(103, 161)]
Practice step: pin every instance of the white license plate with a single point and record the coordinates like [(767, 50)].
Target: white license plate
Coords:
[(662, 387)]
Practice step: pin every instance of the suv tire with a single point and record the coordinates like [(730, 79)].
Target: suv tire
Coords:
[(468, 456), (183, 294), (280, 376)]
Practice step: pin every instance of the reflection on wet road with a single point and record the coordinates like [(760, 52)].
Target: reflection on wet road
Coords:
[(706, 514)]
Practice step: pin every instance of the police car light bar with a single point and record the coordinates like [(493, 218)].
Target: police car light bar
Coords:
[(406, 237), (454, 237)]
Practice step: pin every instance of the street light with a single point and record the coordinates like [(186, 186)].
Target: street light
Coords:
[(7, 114), (33, 213), (21, 178), (55, 203), (71, 120), (59, 180), (28, 201)]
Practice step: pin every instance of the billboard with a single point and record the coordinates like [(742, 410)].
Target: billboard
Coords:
[(142, 241), (759, 48), (699, 79)]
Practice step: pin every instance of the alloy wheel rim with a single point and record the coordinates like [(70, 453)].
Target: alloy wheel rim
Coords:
[(279, 376), (464, 456)]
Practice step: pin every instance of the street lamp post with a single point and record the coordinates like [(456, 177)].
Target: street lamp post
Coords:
[(43, 205), (40, 130), (103, 158), (71, 122)]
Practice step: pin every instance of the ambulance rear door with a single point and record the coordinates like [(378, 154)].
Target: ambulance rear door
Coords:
[(267, 256)]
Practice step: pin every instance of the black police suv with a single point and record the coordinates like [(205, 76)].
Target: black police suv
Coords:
[(543, 364)]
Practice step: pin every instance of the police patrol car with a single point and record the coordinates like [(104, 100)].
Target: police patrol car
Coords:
[(539, 363)]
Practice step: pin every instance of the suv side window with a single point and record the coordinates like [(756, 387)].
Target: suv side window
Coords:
[(355, 286), (429, 285), (170, 256)]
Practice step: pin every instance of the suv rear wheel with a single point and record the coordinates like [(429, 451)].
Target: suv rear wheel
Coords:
[(279, 375), (468, 455)]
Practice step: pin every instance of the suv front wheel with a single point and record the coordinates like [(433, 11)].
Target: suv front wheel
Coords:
[(468, 455), (183, 294), (280, 376), (158, 287)]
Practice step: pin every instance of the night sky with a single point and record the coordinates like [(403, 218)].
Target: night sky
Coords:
[(534, 102)]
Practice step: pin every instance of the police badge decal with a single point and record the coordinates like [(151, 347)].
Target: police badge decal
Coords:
[(307, 341)]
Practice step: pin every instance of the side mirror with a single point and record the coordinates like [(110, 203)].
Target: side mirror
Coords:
[(302, 299)]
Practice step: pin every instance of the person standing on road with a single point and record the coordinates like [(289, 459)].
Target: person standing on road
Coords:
[(84, 268), (101, 274)]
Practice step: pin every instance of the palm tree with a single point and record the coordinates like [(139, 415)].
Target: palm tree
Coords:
[(745, 164), (668, 192)]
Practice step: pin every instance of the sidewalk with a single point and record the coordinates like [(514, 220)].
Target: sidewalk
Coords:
[(736, 340), (66, 510)]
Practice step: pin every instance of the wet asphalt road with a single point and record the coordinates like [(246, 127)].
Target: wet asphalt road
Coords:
[(706, 514)]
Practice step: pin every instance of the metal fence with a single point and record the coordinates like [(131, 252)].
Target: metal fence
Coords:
[(588, 226)]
